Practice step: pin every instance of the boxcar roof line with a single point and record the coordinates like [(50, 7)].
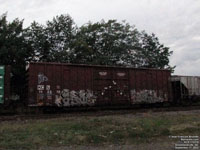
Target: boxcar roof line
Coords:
[(101, 66)]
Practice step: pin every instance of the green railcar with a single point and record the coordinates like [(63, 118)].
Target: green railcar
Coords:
[(2, 72)]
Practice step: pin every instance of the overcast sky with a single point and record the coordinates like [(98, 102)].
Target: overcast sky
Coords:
[(175, 22)]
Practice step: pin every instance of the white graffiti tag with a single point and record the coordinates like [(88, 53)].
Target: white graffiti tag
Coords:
[(75, 98), (147, 96), (42, 78)]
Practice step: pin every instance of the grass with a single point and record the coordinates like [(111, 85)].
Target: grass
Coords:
[(115, 129)]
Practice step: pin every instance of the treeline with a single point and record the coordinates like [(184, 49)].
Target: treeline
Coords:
[(61, 40)]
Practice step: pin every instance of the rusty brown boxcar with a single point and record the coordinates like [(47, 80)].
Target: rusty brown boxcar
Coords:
[(58, 84)]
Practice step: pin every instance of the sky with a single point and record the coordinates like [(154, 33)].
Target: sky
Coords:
[(175, 22)]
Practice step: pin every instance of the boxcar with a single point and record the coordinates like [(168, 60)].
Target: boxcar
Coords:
[(4, 83), (185, 87), (58, 84)]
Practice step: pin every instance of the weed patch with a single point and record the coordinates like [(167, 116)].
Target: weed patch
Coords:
[(118, 129)]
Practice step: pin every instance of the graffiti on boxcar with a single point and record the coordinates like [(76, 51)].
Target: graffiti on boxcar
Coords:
[(42, 78), (102, 73), (40, 98), (75, 98), (40, 87), (121, 74), (49, 92), (146, 96)]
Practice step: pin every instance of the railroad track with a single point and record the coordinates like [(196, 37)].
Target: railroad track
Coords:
[(22, 117)]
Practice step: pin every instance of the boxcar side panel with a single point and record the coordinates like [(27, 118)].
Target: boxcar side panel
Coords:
[(102, 84), (75, 85), (60, 85), (120, 86), (112, 86), (149, 86), (77, 88)]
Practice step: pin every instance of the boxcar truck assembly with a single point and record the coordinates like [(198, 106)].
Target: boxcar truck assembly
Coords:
[(67, 85)]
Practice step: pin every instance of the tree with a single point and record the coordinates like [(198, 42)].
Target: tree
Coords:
[(14, 49), (52, 42), (60, 40), (105, 43), (152, 54), (61, 31), (37, 37), (114, 43)]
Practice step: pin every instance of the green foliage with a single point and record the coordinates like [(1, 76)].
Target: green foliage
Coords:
[(60, 40), (105, 43), (92, 130), (37, 38), (14, 49), (53, 41), (152, 54), (114, 43)]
